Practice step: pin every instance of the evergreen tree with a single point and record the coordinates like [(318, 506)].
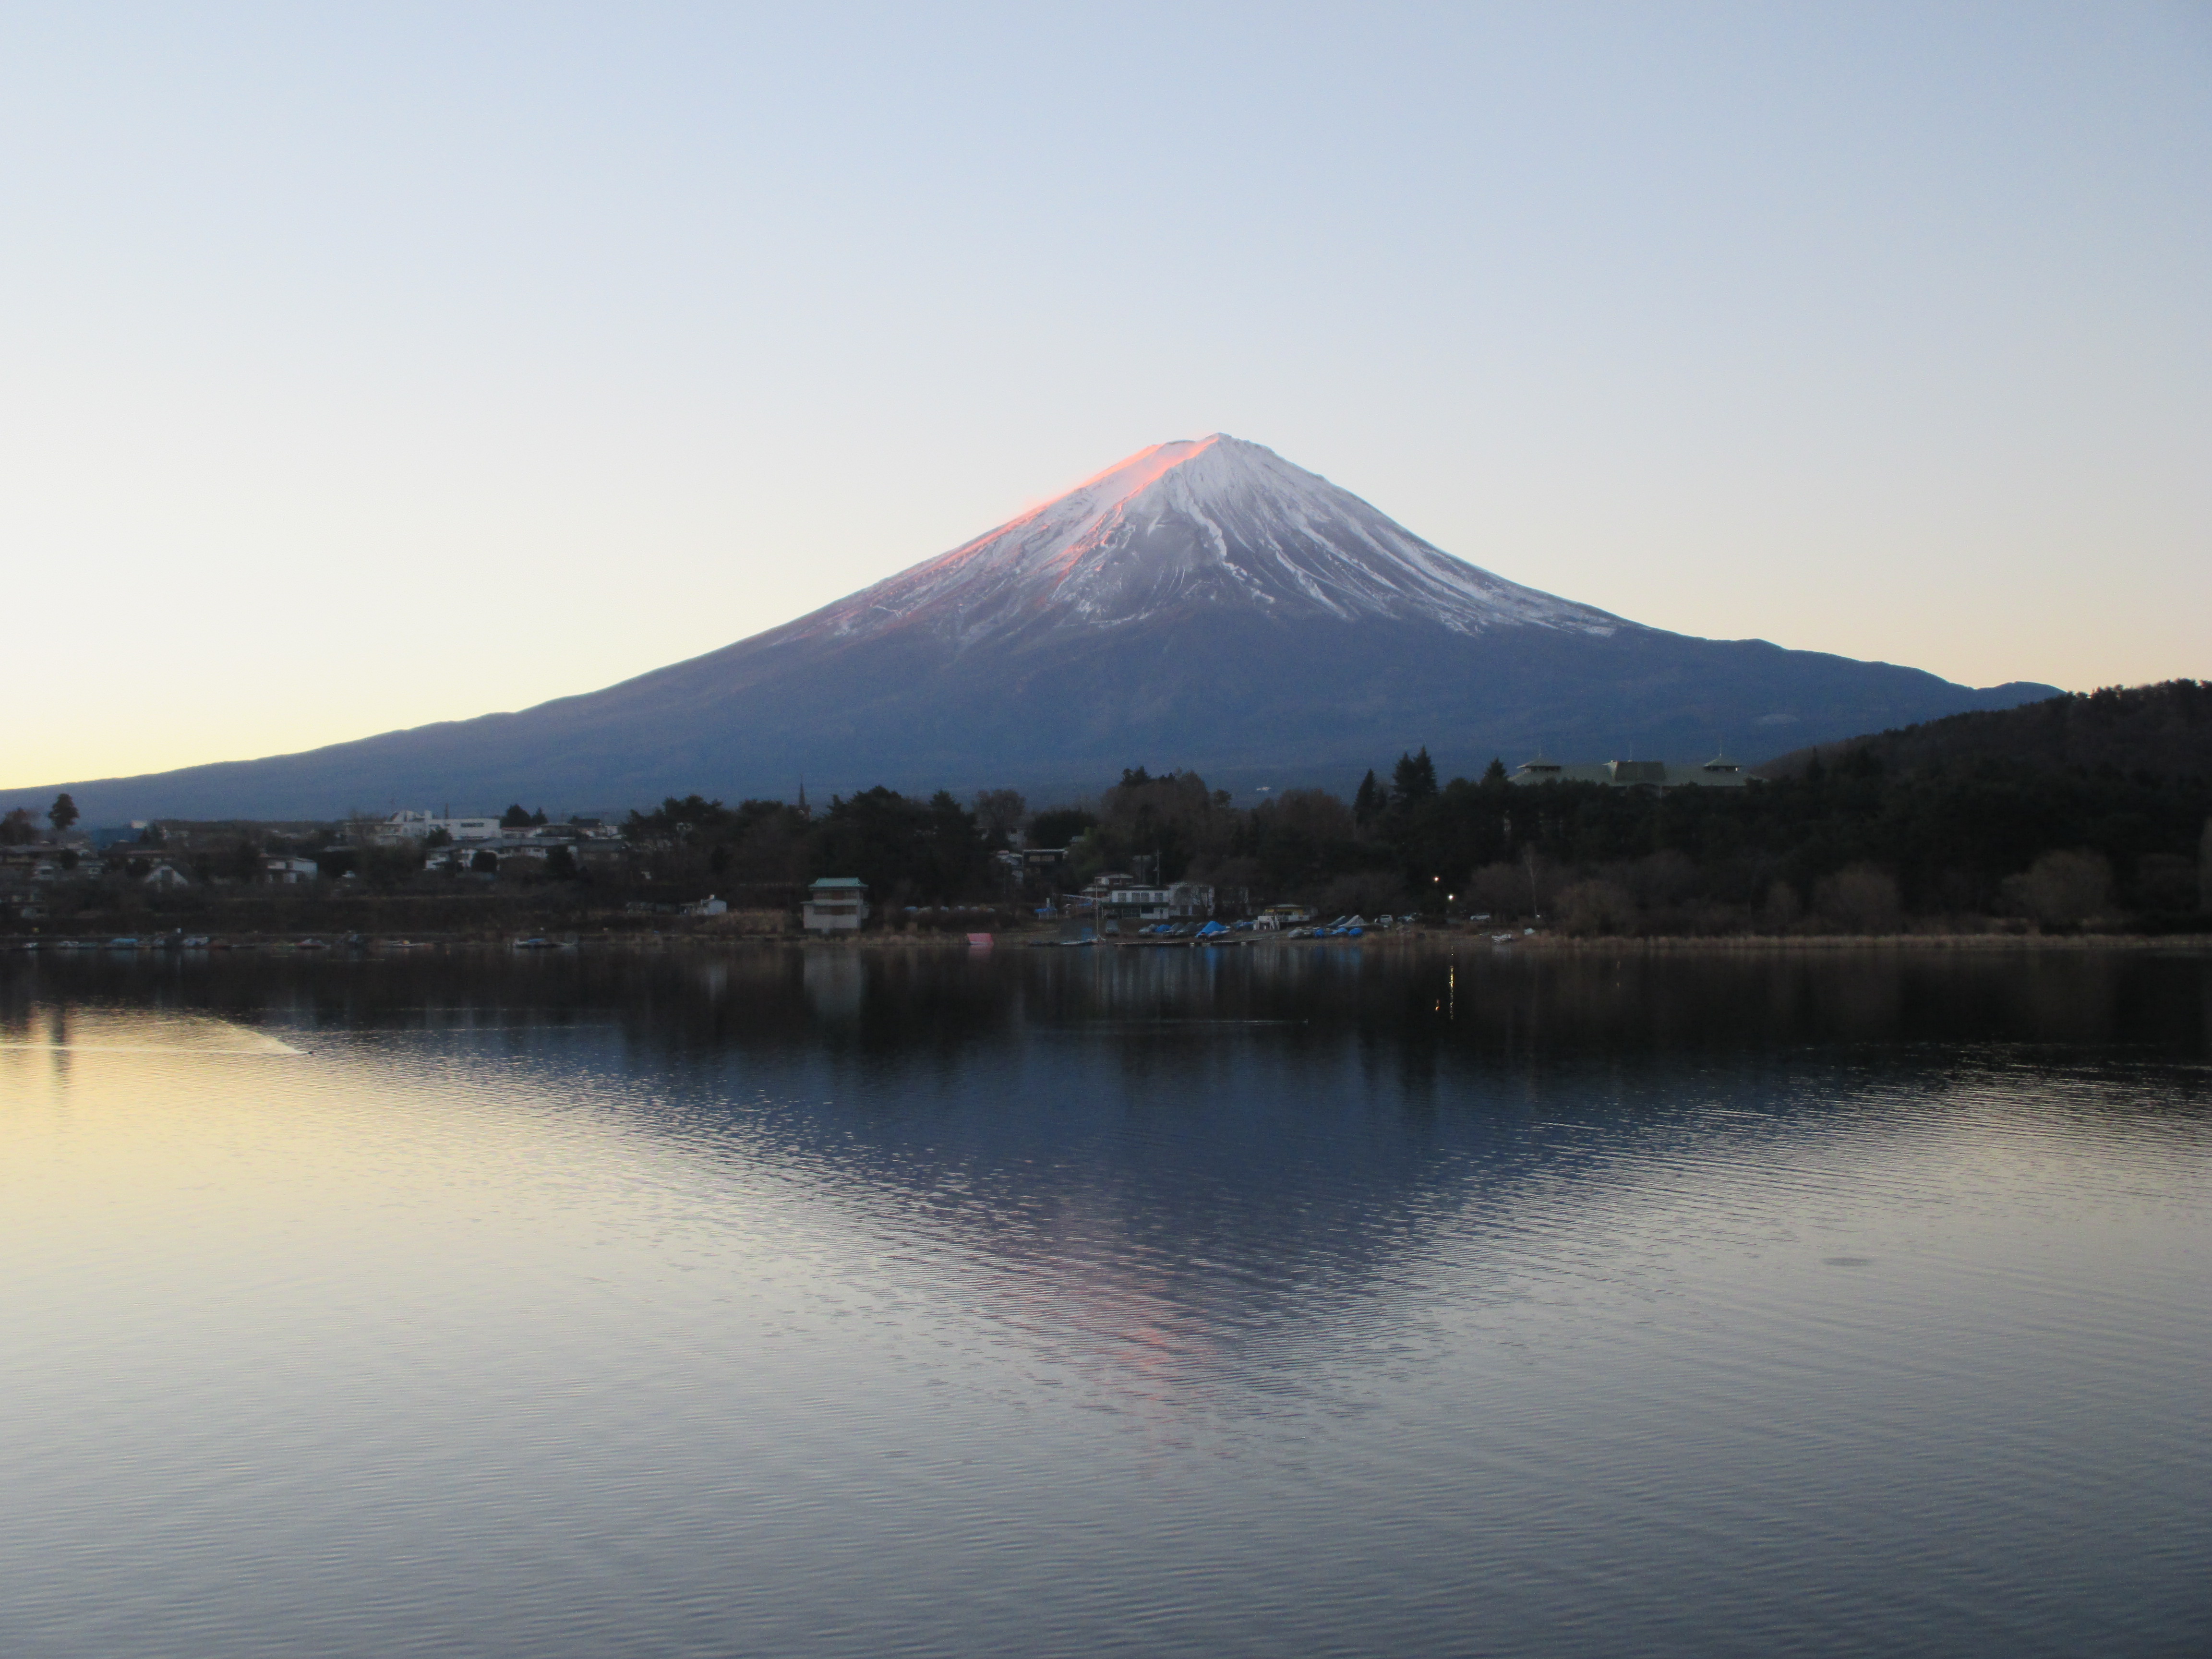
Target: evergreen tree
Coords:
[(1414, 779), (1060, 826), (242, 862), (62, 814), (1367, 804)]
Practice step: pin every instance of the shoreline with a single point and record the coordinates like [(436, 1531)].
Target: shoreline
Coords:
[(30, 947), (1969, 942)]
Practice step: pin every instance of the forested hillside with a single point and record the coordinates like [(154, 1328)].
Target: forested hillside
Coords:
[(2163, 730)]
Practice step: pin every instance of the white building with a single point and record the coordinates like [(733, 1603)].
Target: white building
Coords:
[(421, 826), (288, 869), (835, 904), (1186, 900)]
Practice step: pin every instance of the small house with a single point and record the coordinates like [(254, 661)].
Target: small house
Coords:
[(288, 869), (835, 904), (1186, 901)]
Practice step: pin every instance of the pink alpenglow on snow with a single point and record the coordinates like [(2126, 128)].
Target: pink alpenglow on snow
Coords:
[(1195, 523)]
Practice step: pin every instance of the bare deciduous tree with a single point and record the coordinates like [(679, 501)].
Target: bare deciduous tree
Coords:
[(999, 813), (1861, 898), (2063, 887)]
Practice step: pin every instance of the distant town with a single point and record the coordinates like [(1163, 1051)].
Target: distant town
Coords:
[(1963, 826)]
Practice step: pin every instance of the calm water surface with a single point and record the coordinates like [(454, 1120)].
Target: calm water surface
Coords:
[(803, 1303)]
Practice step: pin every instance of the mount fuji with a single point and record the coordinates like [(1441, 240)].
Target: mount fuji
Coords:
[(1203, 604)]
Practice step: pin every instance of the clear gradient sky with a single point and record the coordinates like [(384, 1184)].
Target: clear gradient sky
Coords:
[(367, 366)]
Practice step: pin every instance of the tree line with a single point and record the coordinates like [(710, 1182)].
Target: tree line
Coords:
[(1938, 820), (1856, 844)]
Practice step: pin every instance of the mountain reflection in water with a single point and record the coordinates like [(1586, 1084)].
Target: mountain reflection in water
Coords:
[(825, 1302)]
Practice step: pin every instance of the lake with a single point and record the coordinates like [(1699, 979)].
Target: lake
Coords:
[(817, 1302)]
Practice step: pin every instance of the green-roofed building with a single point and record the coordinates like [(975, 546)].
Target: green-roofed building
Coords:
[(835, 904)]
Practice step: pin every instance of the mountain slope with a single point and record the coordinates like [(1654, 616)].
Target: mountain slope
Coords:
[(1200, 603)]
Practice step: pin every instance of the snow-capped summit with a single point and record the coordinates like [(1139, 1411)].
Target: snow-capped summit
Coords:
[(1199, 524)]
